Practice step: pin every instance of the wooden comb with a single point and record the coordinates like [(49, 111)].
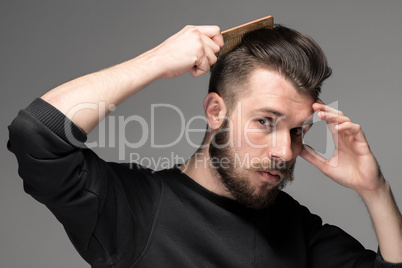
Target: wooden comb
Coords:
[(233, 37)]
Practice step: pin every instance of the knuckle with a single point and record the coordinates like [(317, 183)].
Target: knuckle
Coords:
[(199, 48), (347, 124), (216, 28), (213, 60), (216, 48), (192, 29), (187, 27)]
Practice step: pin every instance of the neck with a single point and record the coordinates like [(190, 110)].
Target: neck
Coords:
[(199, 168)]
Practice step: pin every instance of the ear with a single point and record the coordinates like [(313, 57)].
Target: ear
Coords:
[(215, 110)]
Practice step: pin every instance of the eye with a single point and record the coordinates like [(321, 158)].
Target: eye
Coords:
[(268, 122), (297, 131)]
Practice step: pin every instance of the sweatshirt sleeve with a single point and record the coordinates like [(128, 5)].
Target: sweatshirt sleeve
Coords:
[(79, 188), (330, 246)]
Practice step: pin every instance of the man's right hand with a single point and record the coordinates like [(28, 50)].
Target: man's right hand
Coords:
[(192, 49)]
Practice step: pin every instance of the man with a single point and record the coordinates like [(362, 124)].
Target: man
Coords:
[(224, 207)]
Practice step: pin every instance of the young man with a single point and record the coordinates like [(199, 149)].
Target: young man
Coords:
[(224, 207)]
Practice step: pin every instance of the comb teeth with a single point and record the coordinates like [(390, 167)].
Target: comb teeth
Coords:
[(233, 37)]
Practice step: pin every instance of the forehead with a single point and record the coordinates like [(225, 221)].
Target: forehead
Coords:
[(269, 90)]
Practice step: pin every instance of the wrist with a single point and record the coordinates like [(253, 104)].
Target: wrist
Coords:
[(387, 221), (145, 66), (374, 196), (151, 63)]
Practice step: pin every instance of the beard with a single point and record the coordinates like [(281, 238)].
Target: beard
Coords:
[(237, 183)]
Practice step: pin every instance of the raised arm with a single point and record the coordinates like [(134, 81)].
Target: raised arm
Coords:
[(354, 166), (86, 194), (192, 49)]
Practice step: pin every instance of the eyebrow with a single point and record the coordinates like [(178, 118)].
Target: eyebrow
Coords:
[(307, 122), (279, 114)]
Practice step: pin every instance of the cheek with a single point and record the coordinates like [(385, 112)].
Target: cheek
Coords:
[(260, 143), (257, 139)]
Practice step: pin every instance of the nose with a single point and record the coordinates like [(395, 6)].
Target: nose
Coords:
[(281, 146)]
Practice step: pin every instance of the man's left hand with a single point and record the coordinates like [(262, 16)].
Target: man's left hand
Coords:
[(352, 165)]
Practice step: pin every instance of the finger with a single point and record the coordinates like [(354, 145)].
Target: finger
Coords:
[(332, 122), (333, 118), (208, 43), (314, 158), (206, 58), (350, 128), (201, 66), (211, 56), (213, 32), (200, 69), (322, 107)]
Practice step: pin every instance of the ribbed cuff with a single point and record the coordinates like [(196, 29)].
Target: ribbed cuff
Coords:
[(381, 263), (57, 122)]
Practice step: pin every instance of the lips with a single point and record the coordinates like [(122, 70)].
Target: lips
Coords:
[(275, 173), (271, 176)]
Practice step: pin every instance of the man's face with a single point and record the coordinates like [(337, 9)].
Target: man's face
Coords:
[(262, 138)]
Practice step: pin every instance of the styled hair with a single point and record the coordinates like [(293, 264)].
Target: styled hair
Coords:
[(295, 56)]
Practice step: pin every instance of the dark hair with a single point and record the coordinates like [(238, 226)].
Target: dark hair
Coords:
[(283, 50)]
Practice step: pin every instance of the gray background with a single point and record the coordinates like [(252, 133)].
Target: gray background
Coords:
[(45, 43)]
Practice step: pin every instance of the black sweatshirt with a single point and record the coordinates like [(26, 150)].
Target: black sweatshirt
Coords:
[(118, 215)]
